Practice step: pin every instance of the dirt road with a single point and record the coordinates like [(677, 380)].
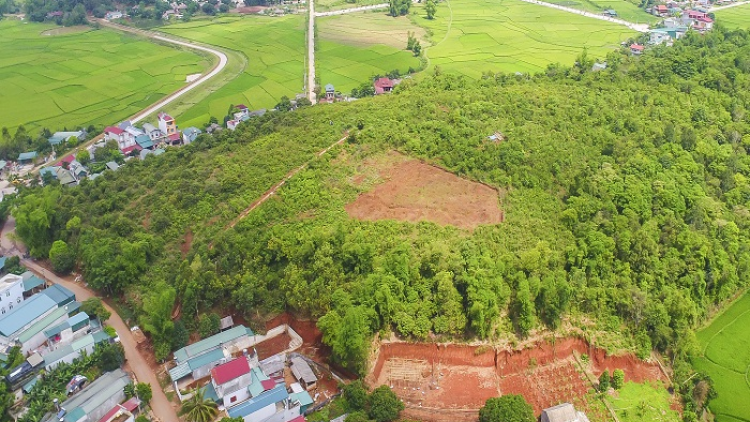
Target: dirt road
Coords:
[(631, 25), (354, 10), (161, 407), (311, 53)]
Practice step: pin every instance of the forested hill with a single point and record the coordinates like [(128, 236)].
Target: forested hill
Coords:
[(625, 194)]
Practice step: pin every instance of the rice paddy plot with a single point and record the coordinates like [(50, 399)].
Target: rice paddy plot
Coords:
[(625, 9), (514, 36), (328, 5), (274, 48), (352, 48), (735, 17), (726, 358), (67, 77)]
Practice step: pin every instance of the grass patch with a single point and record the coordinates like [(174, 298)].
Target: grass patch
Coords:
[(52, 77), (513, 36), (353, 48), (643, 402), (273, 50), (726, 358), (327, 5), (735, 17)]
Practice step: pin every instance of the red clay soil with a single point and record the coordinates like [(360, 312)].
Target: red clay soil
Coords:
[(455, 376), (415, 191), (270, 347)]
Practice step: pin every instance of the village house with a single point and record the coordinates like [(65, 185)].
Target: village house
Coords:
[(636, 49), (124, 141), (564, 412), (243, 112), (383, 85), (113, 15), (30, 157), (95, 400), (71, 329), (69, 352), (154, 133), (11, 291), (62, 137), (124, 412), (144, 142), (190, 134), (230, 381), (17, 317), (275, 404), (330, 92), (32, 284), (166, 124), (303, 373), (232, 124), (146, 152), (22, 374)]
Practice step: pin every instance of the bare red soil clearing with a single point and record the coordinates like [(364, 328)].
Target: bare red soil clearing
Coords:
[(414, 191), (451, 382)]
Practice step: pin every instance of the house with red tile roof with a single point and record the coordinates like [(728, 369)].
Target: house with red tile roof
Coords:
[(383, 85), (231, 381), (636, 49)]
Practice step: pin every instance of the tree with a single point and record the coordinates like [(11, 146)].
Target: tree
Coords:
[(199, 409), (347, 336), (524, 313), (157, 319), (430, 8), (61, 257), (83, 157), (618, 379), (604, 381), (384, 405), (356, 395), (208, 324), (143, 391), (358, 416), (142, 418), (111, 356), (95, 307), (399, 7), (228, 419), (507, 408)]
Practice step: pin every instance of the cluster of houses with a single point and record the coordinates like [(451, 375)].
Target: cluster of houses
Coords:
[(381, 85), (676, 24), (46, 324), (227, 369), (132, 142), (242, 115)]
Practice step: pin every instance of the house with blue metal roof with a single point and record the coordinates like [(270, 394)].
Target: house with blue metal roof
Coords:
[(265, 406), (23, 315), (33, 337), (234, 337), (95, 400), (74, 327), (72, 351), (61, 295), (27, 157), (197, 367)]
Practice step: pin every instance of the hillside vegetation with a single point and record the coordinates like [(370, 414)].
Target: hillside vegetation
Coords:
[(625, 195)]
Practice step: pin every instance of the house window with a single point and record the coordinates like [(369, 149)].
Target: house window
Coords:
[(3, 310), (18, 300), (10, 306), (233, 399)]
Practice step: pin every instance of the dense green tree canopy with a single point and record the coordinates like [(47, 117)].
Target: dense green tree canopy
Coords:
[(507, 408)]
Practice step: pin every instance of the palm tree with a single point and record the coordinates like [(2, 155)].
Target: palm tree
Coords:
[(198, 408)]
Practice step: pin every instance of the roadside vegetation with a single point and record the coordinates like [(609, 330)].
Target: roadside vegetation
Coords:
[(625, 194)]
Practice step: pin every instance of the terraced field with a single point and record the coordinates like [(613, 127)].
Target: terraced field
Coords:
[(474, 36), (273, 49), (726, 358), (56, 78), (735, 17), (354, 47)]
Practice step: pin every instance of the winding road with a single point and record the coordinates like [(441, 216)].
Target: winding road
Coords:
[(160, 405)]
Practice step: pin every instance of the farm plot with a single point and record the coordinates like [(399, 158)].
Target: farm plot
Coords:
[(476, 36), (57, 78), (648, 401), (625, 9), (354, 47), (274, 48), (726, 358), (327, 5), (735, 17)]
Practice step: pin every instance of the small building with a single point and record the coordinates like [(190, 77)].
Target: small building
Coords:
[(73, 351), (113, 15), (330, 92), (190, 134), (78, 170), (114, 133), (174, 139), (197, 367), (230, 381), (65, 177), (383, 85), (303, 373), (166, 124), (242, 112), (144, 141), (610, 12), (61, 295), (232, 124), (636, 49), (11, 290), (71, 329), (95, 400), (234, 340), (32, 284), (27, 157), (112, 165), (564, 412), (33, 337), (123, 412), (153, 132), (62, 137), (661, 10), (300, 396), (598, 66), (271, 405), (48, 172)]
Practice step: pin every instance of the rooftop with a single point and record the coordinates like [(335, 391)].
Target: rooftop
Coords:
[(186, 368), (256, 403), (61, 295), (96, 393), (212, 342), (228, 371), (114, 130), (27, 155), (9, 280), (302, 370), (42, 324), (26, 313)]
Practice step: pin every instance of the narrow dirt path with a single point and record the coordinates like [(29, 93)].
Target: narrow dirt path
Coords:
[(160, 405), (258, 202), (631, 25), (311, 53)]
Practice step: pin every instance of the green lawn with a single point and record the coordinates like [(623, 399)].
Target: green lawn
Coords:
[(625, 9), (58, 78), (354, 47), (274, 48), (643, 402), (735, 17), (726, 343), (513, 36)]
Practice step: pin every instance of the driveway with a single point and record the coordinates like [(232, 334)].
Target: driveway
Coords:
[(161, 407)]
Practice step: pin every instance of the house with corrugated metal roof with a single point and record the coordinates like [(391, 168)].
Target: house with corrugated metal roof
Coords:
[(18, 318), (95, 400), (234, 339), (564, 412), (72, 351), (64, 333), (230, 381)]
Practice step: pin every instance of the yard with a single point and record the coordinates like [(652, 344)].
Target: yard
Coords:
[(726, 358), (475, 36), (273, 50), (354, 47), (66, 77), (735, 17)]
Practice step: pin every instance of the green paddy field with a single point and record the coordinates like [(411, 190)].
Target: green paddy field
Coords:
[(735, 17), (66, 77)]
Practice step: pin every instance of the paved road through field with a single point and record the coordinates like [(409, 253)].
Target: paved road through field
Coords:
[(160, 405), (311, 53), (631, 25)]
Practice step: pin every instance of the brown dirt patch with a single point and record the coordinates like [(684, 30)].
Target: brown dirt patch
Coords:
[(414, 191), (187, 243), (445, 382), (250, 10), (272, 346)]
